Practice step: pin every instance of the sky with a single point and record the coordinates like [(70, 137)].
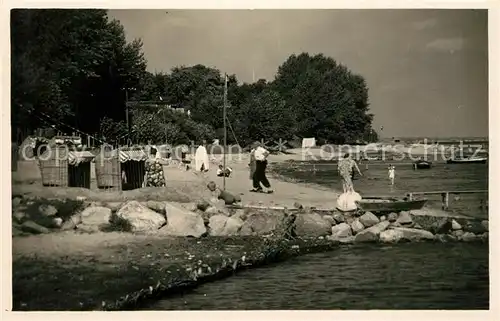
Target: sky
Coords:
[(426, 69)]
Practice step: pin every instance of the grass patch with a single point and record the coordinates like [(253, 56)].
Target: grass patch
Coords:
[(117, 224)]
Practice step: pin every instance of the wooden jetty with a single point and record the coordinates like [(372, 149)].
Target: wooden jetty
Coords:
[(445, 195)]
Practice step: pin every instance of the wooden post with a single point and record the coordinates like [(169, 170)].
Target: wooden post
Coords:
[(445, 199), (127, 113), (410, 196), (88, 141), (224, 115)]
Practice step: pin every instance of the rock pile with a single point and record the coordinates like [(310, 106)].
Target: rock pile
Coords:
[(405, 227), (214, 218), (154, 174)]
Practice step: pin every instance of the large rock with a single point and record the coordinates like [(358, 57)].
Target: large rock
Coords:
[(221, 225), (246, 230), (19, 216), (330, 220), (57, 222), (368, 219), (212, 210), (405, 219), (72, 222), (372, 233), (457, 233), (391, 236), (357, 226), (47, 210), (468, 237), (181, 222), (217, 207), (349, 218), (339, 218), (445, 238), (443, 226), (216, 224), (392, 217), (32, 227), (485, 224), (202, 205), (341, 230), (16, 201), (156, 206), (233, 226), (311, 225), (89, 228), (261, 223), (140, 217), (342, 240), (474, 227), (95, 215), (413, 234), (240, 213), (455, 225), (17, 232)]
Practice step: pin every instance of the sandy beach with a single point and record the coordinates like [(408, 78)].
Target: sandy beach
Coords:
[(189, 186)]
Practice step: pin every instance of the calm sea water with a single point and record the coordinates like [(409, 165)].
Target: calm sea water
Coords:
[(403, 276), (375, 181)]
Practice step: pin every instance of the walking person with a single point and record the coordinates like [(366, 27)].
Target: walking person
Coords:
[(258, 159), (346, 167), (392, 173)]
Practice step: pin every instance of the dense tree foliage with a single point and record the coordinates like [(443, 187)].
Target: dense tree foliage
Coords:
[(263, 115), (72, 65), (75, 67), (327, 100)]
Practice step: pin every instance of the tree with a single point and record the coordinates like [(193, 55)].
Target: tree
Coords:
[(327, 100), (201, 90), (263, 116), (72, 65)]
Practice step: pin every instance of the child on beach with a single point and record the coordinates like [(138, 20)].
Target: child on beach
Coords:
[(392, 173), (224, 172), (229, 198)]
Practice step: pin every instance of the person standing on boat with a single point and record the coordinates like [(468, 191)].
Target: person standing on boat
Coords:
[(258, 159), (346, 167), (392, 173)]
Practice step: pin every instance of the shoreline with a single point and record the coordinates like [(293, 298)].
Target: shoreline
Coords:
[(149, 275), (140, 266)]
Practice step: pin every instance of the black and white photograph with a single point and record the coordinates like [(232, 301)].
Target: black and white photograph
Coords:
[(249, 159)]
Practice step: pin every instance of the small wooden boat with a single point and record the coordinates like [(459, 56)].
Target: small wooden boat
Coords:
[(422, 164), (467, 160), (389, 204)]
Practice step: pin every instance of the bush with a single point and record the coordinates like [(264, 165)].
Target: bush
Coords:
[(117, 224)]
